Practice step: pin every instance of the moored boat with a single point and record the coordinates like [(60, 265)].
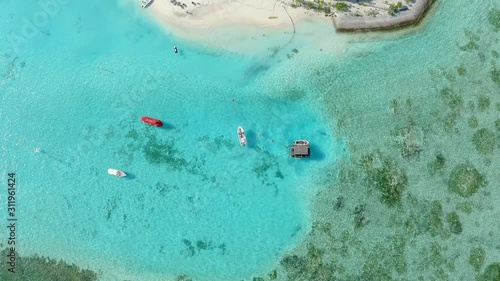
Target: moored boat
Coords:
[(301, 142), (175, 49), (117, 173), (146, 3), (241, 136), (151, 121)]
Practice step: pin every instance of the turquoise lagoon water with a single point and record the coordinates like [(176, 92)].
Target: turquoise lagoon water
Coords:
[(197, 203)]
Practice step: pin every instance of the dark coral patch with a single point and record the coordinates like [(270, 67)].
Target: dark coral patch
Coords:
[(465, 180)]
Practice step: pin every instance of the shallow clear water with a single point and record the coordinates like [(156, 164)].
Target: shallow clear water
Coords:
[(196, 202)]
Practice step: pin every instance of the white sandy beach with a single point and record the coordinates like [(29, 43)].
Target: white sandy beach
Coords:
[(242, 25), (219, 23)]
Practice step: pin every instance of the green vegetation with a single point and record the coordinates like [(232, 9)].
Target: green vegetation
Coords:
[(473, 122), (476, 258), (455, 225), (484, 140), (497, 125), (465, 180), (341, 6), (491, 273), (494, 19), (42, 268), (394, 8), (495, 54)]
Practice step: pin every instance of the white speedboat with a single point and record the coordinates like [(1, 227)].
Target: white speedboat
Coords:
[(116, 173), (146, 3), (241, 136)]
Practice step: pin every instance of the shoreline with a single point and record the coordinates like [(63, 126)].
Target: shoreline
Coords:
[(352, 22), (231, 25), (210, 21)]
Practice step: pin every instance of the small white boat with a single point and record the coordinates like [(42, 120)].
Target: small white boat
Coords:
[(146, 3), (241, 136), (175, 49), (301, 142), (116, 173)]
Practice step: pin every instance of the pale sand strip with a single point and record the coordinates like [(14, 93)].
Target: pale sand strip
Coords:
[(214, 21), (347, 22), (210, 14)]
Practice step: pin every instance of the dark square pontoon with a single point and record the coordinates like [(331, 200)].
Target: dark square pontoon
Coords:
[(300, 149)]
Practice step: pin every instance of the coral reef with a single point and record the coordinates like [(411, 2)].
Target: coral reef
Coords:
[(455, 102), (310, 267), (484, 140), (465, 207), (386, 177), (163, 152), (273, 275), (461, 70), (183, 278), (495, 75), (339, 203), (491, 273), (411, 147), (435, 221), (494, 19), (360, 216), (476, 258), (483, 102), (465, 180), (437, 165), (455, 225), (473, 122)]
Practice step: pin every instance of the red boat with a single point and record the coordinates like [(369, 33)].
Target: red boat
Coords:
[(151, 121)]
